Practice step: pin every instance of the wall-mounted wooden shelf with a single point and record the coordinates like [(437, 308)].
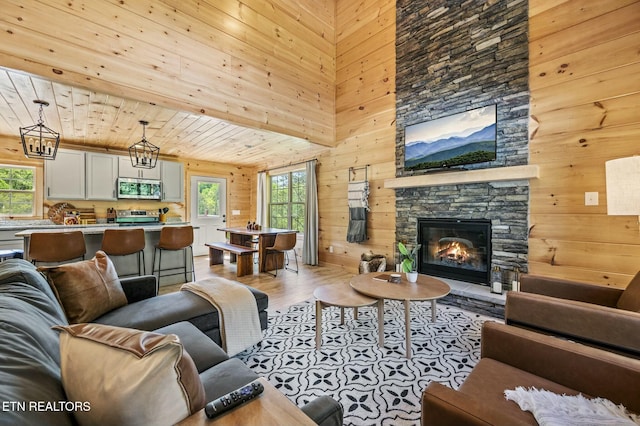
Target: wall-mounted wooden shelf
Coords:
[(468, 176)]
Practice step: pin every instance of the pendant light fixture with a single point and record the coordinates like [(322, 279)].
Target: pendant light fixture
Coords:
[(143, 154), (39, 141)]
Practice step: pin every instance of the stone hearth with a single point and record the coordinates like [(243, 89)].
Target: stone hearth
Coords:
[(474, 298)]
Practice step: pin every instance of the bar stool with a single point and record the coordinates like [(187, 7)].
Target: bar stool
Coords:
[(174, 238), (56, 247), (284, 242), (124, 242)]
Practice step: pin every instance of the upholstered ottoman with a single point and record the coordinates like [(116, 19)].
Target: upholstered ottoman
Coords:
[(155, 312)]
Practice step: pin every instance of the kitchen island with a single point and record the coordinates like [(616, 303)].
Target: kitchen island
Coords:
[(125, 265)]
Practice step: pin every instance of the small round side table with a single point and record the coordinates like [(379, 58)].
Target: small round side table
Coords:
[(343, 296)]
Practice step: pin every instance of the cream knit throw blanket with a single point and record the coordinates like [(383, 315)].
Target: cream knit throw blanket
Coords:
[(551, 409), (237, 310)]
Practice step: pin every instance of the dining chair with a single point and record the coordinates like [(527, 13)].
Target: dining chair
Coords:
[(56, 247), (283, 243)]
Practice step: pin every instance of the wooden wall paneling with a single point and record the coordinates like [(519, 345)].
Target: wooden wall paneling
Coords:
[(607, 278), (72, 27), (621, 81), (282, 19), (581, 33), (367, 16), (538, 7), (365, 119), (368, 86), (244, 24), (365, 131), (564, 14), (594, 228), (318, 16), (247, 79), (593, 116), (29, 24), (611, 54), (164, 30), (619, 258), (370, 149), (568, 201), (369, 53), (334, 211), (584, 86), (596, 145)]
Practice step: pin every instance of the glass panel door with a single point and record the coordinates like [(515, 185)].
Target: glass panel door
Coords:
[(208, 211)]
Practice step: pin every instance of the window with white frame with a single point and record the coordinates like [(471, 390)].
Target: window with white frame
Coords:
[(17, 190), (287, 198)]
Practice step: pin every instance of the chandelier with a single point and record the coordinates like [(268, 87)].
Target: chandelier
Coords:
[(143, 154), (39, 141)]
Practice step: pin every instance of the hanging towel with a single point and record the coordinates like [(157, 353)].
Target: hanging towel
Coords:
[(359, 186), (357, 230), (358, 194)]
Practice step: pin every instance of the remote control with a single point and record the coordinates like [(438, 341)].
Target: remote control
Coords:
[(233, 399)]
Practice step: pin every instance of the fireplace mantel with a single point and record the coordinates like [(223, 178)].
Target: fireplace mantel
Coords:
[(496, 174)]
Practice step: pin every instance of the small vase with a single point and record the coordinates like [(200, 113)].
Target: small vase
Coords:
[(412, 277)]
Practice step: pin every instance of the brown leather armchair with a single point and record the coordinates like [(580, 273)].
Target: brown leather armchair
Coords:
[(604, 317), (512, 357)]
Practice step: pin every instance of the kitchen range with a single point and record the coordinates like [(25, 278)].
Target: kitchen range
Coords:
[(137, 217)]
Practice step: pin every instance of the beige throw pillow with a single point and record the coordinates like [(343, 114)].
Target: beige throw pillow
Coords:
[(127, 376), (86, 289)]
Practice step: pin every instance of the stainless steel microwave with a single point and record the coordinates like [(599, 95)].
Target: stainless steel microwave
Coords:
[(139, 189)]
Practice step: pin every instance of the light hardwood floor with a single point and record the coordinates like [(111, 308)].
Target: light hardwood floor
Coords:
[(286, 289)]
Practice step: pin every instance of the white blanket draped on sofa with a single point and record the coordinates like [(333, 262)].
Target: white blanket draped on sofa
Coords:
[(237, 310), (551, 409)]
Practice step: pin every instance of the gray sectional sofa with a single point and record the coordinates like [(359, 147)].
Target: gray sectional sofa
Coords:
[(30, 350)]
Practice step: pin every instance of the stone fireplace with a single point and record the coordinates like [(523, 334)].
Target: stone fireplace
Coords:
[(454, 56), (454, 248)]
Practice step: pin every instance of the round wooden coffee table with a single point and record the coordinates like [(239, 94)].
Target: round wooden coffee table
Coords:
[(425, 288), (343, 296)]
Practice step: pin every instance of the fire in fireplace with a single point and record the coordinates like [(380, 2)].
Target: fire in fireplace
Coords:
[(455, 248)]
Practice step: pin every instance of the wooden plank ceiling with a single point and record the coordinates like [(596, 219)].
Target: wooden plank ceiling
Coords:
[(87, 119)]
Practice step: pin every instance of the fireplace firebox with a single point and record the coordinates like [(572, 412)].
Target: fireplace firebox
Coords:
[(456, 249)]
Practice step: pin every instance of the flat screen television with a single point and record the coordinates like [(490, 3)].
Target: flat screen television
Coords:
[(465, 138)]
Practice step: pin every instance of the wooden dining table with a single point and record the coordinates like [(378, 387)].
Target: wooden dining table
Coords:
[(265, 237)]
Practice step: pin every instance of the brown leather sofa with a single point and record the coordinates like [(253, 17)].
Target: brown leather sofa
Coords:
[(604, 317), (511, 357)]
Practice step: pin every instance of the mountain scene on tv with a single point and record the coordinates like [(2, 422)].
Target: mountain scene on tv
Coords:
[(464, 138)]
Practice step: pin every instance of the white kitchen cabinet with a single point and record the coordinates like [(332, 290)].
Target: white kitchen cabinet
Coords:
[(172, 181), (125, 169), (102, 173), (65, 176)]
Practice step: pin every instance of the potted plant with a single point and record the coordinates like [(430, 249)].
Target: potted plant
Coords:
[(408, 262)]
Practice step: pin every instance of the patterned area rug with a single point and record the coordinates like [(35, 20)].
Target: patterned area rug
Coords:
[(375, 386)]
